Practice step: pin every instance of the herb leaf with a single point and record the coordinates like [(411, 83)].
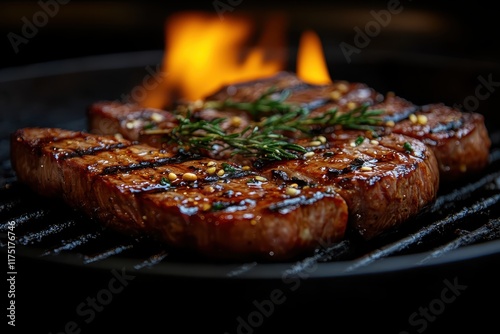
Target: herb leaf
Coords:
[(264, 138)]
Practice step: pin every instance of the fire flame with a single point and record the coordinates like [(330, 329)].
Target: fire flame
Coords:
[(311, 63), (203, 53)]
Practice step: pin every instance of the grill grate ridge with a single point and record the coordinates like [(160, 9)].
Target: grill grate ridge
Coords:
[(487, 231)]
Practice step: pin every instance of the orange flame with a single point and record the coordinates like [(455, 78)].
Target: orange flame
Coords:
[(203, 52), (311, 63)]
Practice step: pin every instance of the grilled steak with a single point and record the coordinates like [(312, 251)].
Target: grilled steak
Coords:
[(128, 120), (228, 207), (182, 200), (226, 210), (384, 182), (459, 140)]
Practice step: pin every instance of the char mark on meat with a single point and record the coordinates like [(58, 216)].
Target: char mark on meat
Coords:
[(230, 216), (377, 179)]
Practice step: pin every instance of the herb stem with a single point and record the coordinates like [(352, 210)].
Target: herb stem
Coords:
[(272, 116)]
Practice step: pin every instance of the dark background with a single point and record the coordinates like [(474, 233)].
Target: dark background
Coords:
[(80, 28)]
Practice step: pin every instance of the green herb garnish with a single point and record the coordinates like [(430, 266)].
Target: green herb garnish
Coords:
[(164, 181), (264, 138), (407, 147), (269, 102), (359, 140), (149, 126), (228, 168)]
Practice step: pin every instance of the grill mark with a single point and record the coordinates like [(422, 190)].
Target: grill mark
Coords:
[(47, 140), (232, 206), (296, 86), (315, 104), (92, 151), (302, 86), (41, 143), (450, 126), (354, 165), (311, 105), (112, 170), (209, 179), (288, 204), (398, 117), (232, 175)]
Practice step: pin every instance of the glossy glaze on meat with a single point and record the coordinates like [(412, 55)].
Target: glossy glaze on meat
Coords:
[(459, 140), (383, 182), (213, 208), (367, 182), (282, 208)]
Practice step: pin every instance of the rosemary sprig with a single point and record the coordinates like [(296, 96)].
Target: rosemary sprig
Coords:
[(270, 101), (359, 118), (264, 138), (251, 142), (274, 103)]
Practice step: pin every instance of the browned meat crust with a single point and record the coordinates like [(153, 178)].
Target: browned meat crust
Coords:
[(222, 209), (383, 183), (251, 90), (273, 210), (459, 140), (127, 120), (130, 187), (378, 185)]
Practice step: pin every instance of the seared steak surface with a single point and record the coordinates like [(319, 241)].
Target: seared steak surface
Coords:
[(459, 140), (225, 210), (126, 174), (185, 201), (382, 182)]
